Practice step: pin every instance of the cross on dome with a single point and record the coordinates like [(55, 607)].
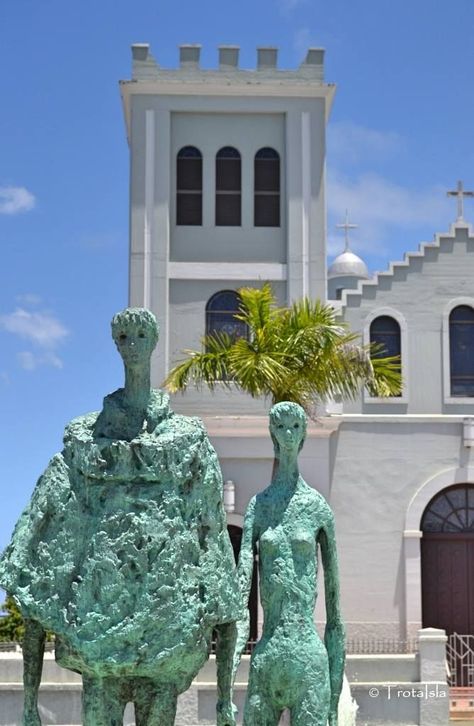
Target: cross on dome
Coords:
[(460, 194), (346, 226)]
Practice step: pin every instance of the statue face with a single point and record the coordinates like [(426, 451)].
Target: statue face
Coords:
[(135, 344), (288, 432)]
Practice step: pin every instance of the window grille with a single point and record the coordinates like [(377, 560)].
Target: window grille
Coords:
[(267, 188), (461, 350), (228, 188), (189, 186)]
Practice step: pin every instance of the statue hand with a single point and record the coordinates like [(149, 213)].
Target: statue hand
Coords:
[(226, 711), (31, 717)]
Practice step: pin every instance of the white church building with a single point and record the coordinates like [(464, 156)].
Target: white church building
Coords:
[(227, 189)]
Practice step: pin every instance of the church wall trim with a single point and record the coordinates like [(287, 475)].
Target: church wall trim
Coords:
[(412, 536), (393, 313)]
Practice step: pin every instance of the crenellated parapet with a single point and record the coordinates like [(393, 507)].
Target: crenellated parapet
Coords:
[(145, 67)]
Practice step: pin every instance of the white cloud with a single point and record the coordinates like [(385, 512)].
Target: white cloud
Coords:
[(380, 207), (4, 378), (350, 143), (14, 200), (41, 328), (29, 361), (29, 298)]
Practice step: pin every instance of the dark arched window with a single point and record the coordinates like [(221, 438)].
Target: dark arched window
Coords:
[(189, 186), (228, 188), (451, 510), (220, 315), (267, 188), (385, 332), (461, 350)]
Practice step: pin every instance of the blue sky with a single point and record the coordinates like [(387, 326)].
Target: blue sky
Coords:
[(400, 135)]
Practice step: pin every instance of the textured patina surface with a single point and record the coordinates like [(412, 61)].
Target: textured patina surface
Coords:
[(291, 667), (123, 552)]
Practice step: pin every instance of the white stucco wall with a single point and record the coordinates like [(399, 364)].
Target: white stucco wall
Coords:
[(378, 466)]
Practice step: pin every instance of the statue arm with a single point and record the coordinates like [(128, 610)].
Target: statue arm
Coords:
[(245, 573), (33, 651), (334, 635)]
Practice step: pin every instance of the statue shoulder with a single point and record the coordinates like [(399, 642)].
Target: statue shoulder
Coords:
[(320, 506), (80, 428)]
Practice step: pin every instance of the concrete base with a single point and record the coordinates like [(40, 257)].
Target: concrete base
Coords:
[(386, 688)]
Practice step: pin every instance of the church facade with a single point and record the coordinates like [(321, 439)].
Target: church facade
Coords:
[(227, 189)]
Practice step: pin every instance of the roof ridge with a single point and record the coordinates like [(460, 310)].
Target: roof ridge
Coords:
[(406, 262)]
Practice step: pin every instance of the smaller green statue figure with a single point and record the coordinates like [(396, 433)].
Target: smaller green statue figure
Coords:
[(290, 667), (124, 554)]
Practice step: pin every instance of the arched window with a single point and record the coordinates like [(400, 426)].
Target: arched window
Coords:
[(451, 510), (267, 188), (461, 350), (385, 332), (189, 186), (228, 188), (220, 315)]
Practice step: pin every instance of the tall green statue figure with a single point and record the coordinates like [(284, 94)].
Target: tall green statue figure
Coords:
[(290, 666), (123, 553)]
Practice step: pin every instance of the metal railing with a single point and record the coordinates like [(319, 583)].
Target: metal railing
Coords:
[(460, 659), (380, 646)]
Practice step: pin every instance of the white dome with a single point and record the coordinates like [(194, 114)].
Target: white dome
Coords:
[(347, 264)]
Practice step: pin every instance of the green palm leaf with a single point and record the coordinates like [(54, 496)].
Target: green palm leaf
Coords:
[(301, 353)]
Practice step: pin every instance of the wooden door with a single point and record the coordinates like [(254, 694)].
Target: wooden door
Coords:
[(447, 561), (448, 582)]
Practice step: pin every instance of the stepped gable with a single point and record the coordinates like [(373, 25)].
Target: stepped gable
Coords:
[(349, 297)]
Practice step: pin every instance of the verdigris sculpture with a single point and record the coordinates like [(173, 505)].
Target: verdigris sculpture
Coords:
[(124, 554), (290, 666)]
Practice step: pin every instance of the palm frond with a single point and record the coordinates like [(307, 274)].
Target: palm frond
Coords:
[(302, 353)]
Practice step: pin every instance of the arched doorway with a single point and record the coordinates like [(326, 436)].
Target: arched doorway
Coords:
[(447, 560), (235, 534)]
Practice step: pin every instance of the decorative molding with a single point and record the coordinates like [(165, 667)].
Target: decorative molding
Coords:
[(227, 271), (149, 204), (349, 295), (305, 198), (413, 535)]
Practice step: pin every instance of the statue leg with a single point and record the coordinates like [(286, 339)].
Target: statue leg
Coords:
[(102, 702), (312, 709), (33, 650), (154, 706), (259, 712)]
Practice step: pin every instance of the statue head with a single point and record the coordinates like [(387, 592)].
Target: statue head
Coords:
[(286, 416), (135, 332)]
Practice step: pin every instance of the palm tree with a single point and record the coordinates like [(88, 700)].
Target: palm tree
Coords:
[(301, 354)]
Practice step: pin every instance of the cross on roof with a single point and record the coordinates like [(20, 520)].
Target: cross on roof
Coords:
[(460, 194), (346, 226)]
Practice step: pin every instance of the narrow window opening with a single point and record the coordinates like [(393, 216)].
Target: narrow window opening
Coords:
[(267, 188), (461, 351), (228, 188), (189, 186)]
